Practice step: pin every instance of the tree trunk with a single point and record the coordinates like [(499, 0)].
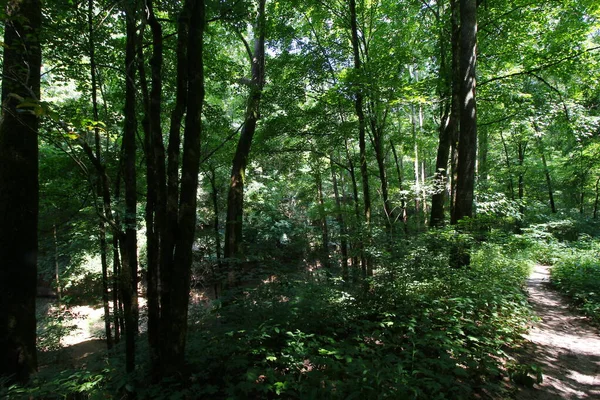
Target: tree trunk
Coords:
[(547, 174), (467, 143), (101, 225), (400, 173), (322, 216), (129, 242), (19, 196), (455, 104), (522, 147), (235, 197), (216, 225), (341, 222), (174, 320), (362, 144), (56, 265), (155, 178), (352, 172), (597, 198), (117, 316)]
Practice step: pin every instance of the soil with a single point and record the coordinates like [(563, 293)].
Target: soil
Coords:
[(562, 343)]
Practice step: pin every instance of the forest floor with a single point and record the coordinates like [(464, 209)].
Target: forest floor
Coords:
[(562, 343)]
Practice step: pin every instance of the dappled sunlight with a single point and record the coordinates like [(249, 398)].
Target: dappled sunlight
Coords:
[(563, 344)]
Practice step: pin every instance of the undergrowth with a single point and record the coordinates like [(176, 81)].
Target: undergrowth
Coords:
[(577, 274), (417, 330)]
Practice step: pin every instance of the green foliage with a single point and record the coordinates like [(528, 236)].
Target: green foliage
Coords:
[(69, 384), (525, 374), (423, 331), (577, 274)]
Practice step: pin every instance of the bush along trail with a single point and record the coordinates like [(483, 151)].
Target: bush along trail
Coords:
[(561, 359)]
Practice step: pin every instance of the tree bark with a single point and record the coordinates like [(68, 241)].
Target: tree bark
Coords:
[(174, 348), (129, 242), (467, 142), (400, 173), (362, 143), (341, 222), (235, 197), (597, 198), (102, 224), (455, 104), (322, 215), (155, 178), (19, 196)]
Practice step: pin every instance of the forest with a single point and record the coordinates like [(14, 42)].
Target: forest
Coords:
[(318, 199)]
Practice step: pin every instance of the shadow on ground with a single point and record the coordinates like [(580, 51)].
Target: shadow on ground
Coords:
[(563, 344)]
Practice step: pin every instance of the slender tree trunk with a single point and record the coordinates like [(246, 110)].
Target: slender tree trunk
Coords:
[(400, 173), (322, 216), (235, 198), (115, 289), (190, 168), (129, 242), (341, 222), (380, 158), (597, 198), (413, 120), (56, 265), (546, 172), (455, 104), (155, 178), (216, 225), (352, 170), (102, 225), (19, 194), (482, 163), (521, 151), (362, 143)]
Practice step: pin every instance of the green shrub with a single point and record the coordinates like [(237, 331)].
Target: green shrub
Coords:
[(578, 275)]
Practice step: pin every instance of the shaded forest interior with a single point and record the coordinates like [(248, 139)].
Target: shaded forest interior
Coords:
[(282, 199)]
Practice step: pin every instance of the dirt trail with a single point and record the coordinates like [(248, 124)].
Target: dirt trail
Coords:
[(562, 344)]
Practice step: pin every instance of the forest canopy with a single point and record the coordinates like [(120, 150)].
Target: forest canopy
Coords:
[(291, 195)]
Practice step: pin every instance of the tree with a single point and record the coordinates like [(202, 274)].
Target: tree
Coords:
[(19, 195), (235, 197), (467, 139), (171, 209)]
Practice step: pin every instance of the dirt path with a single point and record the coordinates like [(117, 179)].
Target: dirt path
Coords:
[(562, 344)]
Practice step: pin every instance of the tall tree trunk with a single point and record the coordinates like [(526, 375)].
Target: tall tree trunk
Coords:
[(522, 147), (467, 143), (597, 198), (190, 167), (341, 222), (102, 225), (362, 143), (400, 173), (547, 174), (511, 185), (116, 298), (175, 327), (56, 265), (467, 138), (155, 178), (235, 197), (216, 226), (455, 104), (352, 172), (380, 158), (322, 216), (417, 193), (19, 196), (129, 242)]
